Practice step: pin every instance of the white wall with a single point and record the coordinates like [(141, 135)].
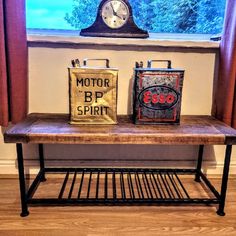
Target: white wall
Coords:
[(48, 92), (49, 80)]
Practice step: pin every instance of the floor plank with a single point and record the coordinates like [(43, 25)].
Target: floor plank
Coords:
[(125, 220)]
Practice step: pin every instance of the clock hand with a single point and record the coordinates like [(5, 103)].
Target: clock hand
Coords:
[(119, 16), (114, 13)]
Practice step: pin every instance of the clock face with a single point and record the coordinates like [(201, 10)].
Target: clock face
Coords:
[(115, 13)]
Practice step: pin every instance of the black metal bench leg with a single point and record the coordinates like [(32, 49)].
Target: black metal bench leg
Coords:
[(41, 160), (23, 192), (224, 180), (199, 163)]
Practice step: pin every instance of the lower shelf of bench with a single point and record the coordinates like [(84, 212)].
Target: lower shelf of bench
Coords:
[(120, 186)]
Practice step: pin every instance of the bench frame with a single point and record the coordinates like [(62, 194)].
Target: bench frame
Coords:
[(27, 196)]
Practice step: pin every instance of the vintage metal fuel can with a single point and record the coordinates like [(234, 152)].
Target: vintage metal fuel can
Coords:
[(157, 94), (93, 93)]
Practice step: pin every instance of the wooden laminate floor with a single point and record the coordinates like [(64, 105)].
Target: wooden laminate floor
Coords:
[(100, 220)]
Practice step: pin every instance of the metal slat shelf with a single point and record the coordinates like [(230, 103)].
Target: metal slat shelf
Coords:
[(119, 186)]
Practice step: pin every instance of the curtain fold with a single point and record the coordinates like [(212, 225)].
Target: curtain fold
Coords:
[(224, 101), (13, 62)]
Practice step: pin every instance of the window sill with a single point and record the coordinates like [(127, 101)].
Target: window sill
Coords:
[(66, 37)]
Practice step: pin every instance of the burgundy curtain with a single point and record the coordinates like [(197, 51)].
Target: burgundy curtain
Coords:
[(224, 103), (13, 62)]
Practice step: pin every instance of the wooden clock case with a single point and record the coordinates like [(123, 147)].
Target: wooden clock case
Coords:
[(100, 29)]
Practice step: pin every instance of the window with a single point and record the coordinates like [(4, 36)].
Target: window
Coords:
[(161, 16)]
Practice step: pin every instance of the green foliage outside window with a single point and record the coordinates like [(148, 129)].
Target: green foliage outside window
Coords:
[(161, 16)]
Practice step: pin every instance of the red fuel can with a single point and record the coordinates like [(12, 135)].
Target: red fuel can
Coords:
[(157, 94)]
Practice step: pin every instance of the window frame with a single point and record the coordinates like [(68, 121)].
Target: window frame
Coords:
[(69, 37)]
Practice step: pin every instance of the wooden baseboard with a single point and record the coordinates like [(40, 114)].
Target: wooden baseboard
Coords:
[(9, 167)]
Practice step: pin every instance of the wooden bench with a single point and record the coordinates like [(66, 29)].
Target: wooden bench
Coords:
[(120, 186)]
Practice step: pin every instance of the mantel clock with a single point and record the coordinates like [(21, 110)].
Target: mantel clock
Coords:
[(114, 19)]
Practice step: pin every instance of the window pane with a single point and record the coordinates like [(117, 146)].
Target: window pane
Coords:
[(162, 16)]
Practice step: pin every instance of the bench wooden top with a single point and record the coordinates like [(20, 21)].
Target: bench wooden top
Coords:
[(54, 128)]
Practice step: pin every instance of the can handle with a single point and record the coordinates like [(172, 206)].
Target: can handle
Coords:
[(75, 63), (87, 59), (149, 64)]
